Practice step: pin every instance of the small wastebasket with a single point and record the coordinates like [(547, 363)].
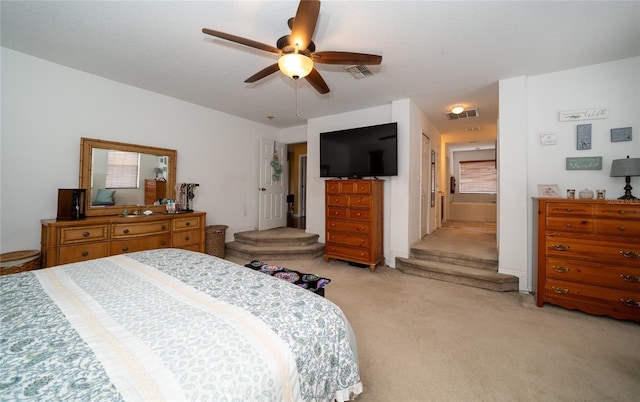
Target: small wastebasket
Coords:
[(19, 261), (215, 240)]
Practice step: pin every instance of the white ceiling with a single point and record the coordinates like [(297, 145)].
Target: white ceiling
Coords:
[(437, 53)]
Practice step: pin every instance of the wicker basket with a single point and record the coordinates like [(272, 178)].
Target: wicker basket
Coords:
[(19, 261), (215, 240)]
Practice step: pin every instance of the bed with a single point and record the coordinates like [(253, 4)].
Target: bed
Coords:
[(170, 324)]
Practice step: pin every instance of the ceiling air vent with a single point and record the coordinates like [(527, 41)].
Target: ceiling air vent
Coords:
[(465, 114), (359, 71)]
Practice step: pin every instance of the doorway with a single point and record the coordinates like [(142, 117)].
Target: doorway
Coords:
[(297, 190)]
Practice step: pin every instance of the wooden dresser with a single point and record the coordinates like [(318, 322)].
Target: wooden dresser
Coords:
[(154, 190), (353, 221), (588, 255), (66, 241)]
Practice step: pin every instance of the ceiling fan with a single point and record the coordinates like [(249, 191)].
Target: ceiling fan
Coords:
[(298, 52)]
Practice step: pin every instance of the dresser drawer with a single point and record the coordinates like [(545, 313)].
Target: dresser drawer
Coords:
[(359, 201), (362, 187), (192, 222), (333, 212), (334, 187), (348, 239), (359, 214), (124, 230), (609, 275), (338, 200), (606, 252), (185, 238), (82, 234), (616, 210), (618, 227), (570, 209), (83, 252), (595, 299), (349, 253), (349, 226), (140, 244), (574, 225)]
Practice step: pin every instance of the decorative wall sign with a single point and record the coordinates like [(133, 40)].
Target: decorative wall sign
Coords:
[(584, 163), (621, 134), (549, 138), (583, 136), (585, 114)]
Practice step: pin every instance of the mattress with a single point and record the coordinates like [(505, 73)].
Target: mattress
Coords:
[(170, 324)]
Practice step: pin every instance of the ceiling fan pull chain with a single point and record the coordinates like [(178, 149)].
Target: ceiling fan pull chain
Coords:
[(297, 111)]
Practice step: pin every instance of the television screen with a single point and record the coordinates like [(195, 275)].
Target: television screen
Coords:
[(360, 152)]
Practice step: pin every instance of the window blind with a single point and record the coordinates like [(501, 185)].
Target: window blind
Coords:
[(478, 176), (123, 169)]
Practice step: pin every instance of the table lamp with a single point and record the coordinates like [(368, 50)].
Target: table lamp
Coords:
[(626, 168)]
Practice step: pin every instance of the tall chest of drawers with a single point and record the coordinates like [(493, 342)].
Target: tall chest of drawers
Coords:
[(588, 256), (67, 241), (354, 221)]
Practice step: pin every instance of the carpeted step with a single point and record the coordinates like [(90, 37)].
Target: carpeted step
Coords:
[(454, 258), (279, 237), (463, 275), (274, 251)]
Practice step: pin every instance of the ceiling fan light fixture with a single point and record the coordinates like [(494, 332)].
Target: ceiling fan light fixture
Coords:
[(295, 65), (457, 110)]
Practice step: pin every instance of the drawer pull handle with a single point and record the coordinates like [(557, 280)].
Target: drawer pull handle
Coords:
[(561, 291), (85, 253), (621, 228), (569, 225), (560, 247), (85, 234), (125, 249), (163, 243), (336, 213), (629, 254), (569, 210), (630, 303), (187, 238), (560, 268), (623, 212), (126, 231), (188, 224), (164, 227), (630, 278), (358, 214)]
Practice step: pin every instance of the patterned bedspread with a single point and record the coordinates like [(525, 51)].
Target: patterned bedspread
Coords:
[(170, 324)]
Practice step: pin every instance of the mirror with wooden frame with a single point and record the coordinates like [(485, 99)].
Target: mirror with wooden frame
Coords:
[(115, 175)]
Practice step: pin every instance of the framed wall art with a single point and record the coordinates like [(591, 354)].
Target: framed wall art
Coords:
[(621, 134), (583, 137), (549, 190)]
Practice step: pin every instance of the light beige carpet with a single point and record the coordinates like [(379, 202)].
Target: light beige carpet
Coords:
[(425, 340)]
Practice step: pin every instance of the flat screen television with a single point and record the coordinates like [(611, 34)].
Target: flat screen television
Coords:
[(360, 152)]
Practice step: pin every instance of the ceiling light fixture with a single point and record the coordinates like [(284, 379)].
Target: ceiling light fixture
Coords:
[(457, 110), (295, 65)]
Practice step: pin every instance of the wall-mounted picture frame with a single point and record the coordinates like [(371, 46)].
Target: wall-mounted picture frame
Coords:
[(549, 191), (583, 137), (584, 163), (621, 134)]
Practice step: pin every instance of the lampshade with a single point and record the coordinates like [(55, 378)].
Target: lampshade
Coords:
[(457, 110), (295, 65), (625, 167)]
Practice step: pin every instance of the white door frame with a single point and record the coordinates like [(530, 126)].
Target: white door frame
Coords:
[(302, 185), (425, 185)]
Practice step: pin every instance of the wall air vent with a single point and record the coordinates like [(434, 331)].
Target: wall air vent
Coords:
[(359, 71), (465, 114)]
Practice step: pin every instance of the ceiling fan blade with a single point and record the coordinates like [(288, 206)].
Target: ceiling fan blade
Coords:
[(263, 73), (317, 82), (345, 58), (304, 23), (241, 40)]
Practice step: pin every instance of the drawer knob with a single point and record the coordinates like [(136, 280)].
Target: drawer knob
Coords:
[(188, 224), (561, 291), (126, 231), (560, 268), (336, 213), (163, 243), (85, 253), (630, 303), (85, 234), (569, 225), (358, 214), (621, 228), (569, 210), (164, 227), (623, 212), (125, 249), (630, 278), (629, 254), (186, 238), (560, 247)]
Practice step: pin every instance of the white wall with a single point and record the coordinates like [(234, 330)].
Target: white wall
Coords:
[(530, 106), (46, 108)]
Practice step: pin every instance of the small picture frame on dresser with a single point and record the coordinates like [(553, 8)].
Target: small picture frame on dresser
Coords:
[(549, 191)]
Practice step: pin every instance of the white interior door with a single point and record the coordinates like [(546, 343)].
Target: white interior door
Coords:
[(272, 199), (425, 187)]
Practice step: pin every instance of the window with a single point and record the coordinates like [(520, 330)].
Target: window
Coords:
[(478, 177), (123, 169)]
